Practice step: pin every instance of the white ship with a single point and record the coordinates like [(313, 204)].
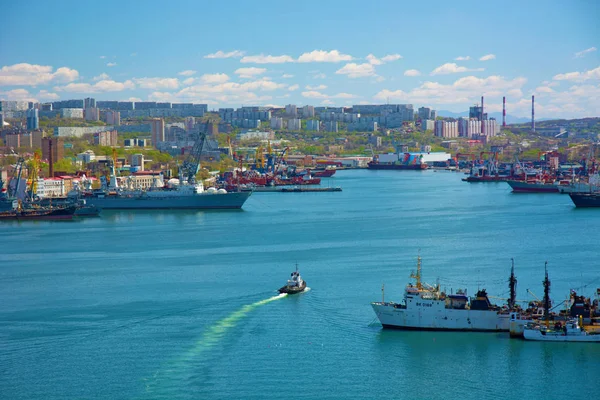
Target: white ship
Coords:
[(427, 308), (569, 331)]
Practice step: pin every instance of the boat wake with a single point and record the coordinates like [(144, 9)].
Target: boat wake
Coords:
[(207, 341)]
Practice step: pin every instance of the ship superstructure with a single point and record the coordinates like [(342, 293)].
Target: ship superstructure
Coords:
[(425, 307)]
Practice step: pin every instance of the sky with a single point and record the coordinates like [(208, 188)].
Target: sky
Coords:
[(439, 54)]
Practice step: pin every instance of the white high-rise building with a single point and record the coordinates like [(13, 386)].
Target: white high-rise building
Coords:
[(294, 124), (277, 123), (113, 118), (308, 111), (91, 114), (291, 109), (446, 129)]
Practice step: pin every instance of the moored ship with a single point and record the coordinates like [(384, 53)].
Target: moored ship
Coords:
[(583, 200), (533, 186), (427, 308)]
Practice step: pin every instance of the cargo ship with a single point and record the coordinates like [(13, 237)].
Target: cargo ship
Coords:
[(425, 307), (533, 186), (406, 161), (584, 200)]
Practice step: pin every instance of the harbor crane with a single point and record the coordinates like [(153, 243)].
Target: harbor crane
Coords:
[(191, 165)]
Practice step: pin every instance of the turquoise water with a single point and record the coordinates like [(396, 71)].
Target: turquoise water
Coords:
[(183, 305)]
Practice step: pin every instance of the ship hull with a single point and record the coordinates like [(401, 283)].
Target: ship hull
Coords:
[(585, 199), (431, 319), (537, 335), (529, 187), (231, 200), (410, 167)]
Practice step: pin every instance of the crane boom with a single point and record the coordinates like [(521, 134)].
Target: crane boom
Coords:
[(190, 166)]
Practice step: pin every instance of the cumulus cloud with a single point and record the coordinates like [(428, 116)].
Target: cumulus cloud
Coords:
[(266, 59), (313, 94), (249, 72), (214, 78), (379, 61), (578, 76), (462, 58), (111, 64), (412, 72), (187, 72), (324, 56), (33, 75), (452, 68), (102, 76), (222, 54), (316, 87), (391, 57), (188, 81), (353, 70), (487, 57), (374, 60), (582, 53), (100, 86), (287, 76), (318, 75), (157, 83), (293, 87)]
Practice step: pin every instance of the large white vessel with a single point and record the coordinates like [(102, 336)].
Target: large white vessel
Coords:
[(425, 307)]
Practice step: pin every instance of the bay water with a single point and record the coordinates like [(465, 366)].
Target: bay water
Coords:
[(183, 304)]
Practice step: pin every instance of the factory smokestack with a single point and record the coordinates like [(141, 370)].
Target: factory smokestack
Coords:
[(532, 113), (504, 112), (482, 123)]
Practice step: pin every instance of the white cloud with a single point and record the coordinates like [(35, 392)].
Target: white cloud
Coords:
[(266, 59), (287, 76), (318, 75), (462, 58), (102, 57), (101, 77), (374, 60), (188, 81), (412, 72), (111, 64), (462, 91), (391, 57), (33, 75), (134, 99), (354, 70), (327, 103), (157, 83), (324, 56), (487, 57), (249, 72), (544, 89), (452, 68), (17, 95), (293, 87), (222, 54), (578, 76), (101, 86), (582, 53), (187, 72), (46, 95), (316, 87), (214, 78), (313, 94)]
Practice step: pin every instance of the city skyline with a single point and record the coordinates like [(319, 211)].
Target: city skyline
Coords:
[(339, 54)]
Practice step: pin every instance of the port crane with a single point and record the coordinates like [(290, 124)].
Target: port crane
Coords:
[(189, 167)]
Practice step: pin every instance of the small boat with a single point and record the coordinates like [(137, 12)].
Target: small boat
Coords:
[(570, 331), (295, 284), (39, 213)]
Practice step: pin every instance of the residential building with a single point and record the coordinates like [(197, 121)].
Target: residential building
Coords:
[(13, 105), (313, 125), (71, 131), (490, 127), (137, 160), (86, 157), (89, 103), (374, 140), (256, 135), (33, 119), (46, 107), (475, 112), (331, 126), (91, 114), (294, 124), (145, 105), (58, 105), (189, 123), (58, 148), (158, 130), (1, 121), (363, 125), (291, 110), (71, 113), (308, 111), (113, 118), (427, 124), (446, 129), (467, 127), (106, 138), (426, 113), (277, 123)]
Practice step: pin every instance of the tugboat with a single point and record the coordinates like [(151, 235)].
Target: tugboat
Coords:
[(295, 284)]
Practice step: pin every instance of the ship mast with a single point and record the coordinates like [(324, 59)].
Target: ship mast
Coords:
[(546, 296), (512, 284), (418, 274)]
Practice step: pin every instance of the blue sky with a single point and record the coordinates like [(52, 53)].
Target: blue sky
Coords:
[(443, 54)]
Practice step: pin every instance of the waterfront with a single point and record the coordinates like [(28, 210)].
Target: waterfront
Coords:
[(152, 304)]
